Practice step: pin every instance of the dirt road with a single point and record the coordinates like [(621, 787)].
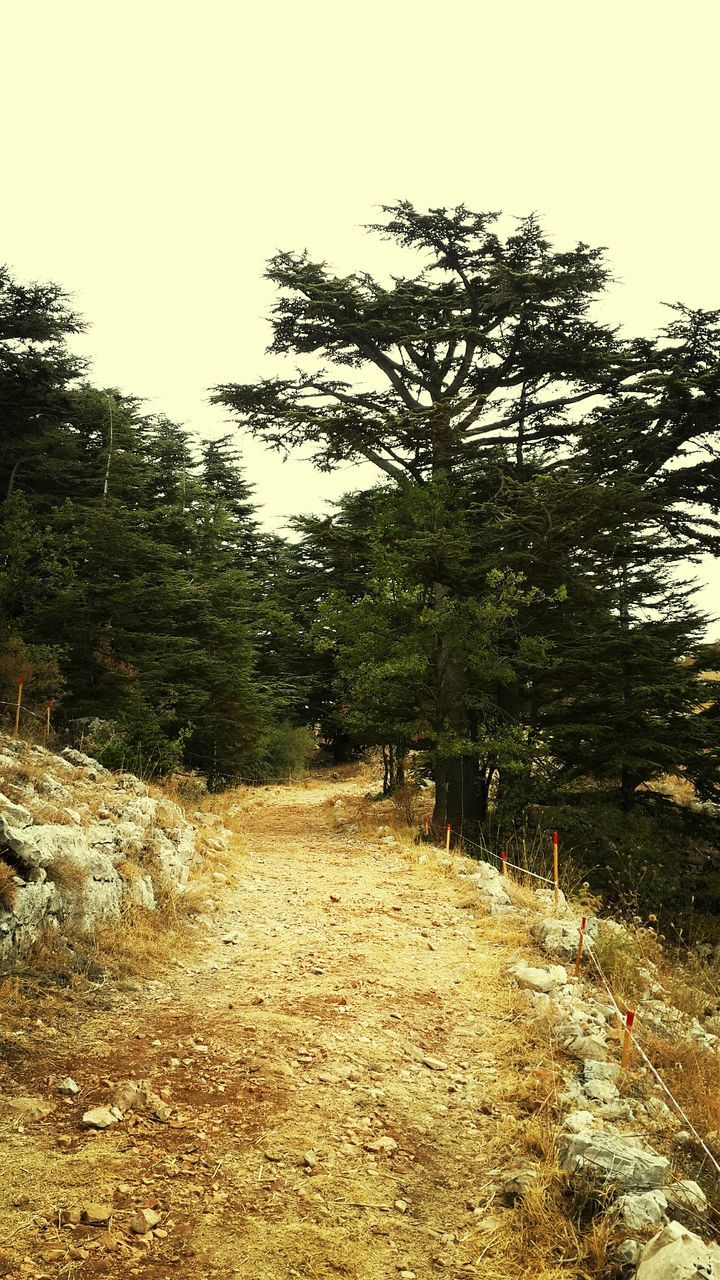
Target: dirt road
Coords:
[(340, 1055)]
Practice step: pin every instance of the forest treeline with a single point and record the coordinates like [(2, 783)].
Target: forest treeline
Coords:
[(136, 590), (509, 611)]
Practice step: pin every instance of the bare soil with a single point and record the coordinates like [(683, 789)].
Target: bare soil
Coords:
[(307, 1139)]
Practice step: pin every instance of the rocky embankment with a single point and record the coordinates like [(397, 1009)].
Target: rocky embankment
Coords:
[(608, 1124), (79, 845)]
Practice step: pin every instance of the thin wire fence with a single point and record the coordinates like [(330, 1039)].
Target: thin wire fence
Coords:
[(506, 861), (24, 711), (615, 1004), (622, 1017)]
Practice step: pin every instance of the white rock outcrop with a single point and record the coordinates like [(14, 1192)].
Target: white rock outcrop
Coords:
[(678, 1254), (488, 882), (82, 843), (615, 1159), (534, 979), (560, 936), (642, 1209), (687, 1195)]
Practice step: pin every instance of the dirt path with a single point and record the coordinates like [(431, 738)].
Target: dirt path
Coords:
[(307, 1139)]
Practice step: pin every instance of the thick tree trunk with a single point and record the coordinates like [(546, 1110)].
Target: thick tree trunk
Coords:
[(459, 798)]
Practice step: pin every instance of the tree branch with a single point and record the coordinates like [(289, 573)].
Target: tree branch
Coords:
[(541, 407)]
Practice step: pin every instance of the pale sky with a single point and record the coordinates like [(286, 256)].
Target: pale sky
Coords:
[(156, 153)]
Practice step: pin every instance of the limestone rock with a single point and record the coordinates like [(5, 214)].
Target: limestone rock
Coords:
[(82, 761), (126, 1095), (559, 937), (29, 1109), (593, 1069), (687, 1195), (488, 881), (34, 903), (615, 1159), (435, 1064), (642, 1209), (588, 1047), (577, 1121), (677, 1254), (600, 1090), (660, 1112), (629, 1252), (97, 1215), (137, 1095), (532, 979), (385, 1145), (143, 1221), (100, 1118), (82, 874), (16, 815), (22, 843)]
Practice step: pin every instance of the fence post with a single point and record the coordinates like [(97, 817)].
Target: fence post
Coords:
[(556, 869), (503, 859), (447, 837), (21, 681), (625, 1057), (47, 720)]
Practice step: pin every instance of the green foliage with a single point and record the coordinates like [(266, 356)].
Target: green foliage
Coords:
[(40, 667), (286, 754), (131, 560), (389, 642), (650, 862)]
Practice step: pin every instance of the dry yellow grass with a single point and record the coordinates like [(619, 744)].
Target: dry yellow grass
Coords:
[(8, 888)]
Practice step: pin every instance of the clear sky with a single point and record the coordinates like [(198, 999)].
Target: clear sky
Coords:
[(155, 153)]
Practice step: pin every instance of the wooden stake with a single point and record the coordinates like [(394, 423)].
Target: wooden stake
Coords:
[(556, 869), (581, 940), (503, 860), (447, 837), (21, 681), (47, 721), (627, 1041)]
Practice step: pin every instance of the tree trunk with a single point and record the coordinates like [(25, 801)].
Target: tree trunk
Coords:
[(387, 755), (458, 799), (400, 753)]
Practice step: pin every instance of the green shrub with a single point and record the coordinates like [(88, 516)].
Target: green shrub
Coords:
[(287, 751)]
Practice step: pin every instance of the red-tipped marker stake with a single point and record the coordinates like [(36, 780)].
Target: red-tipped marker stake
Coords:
[(503, 860), (627, 1041), (21, 681), (556, 869), (447, 837), (581, 940)]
